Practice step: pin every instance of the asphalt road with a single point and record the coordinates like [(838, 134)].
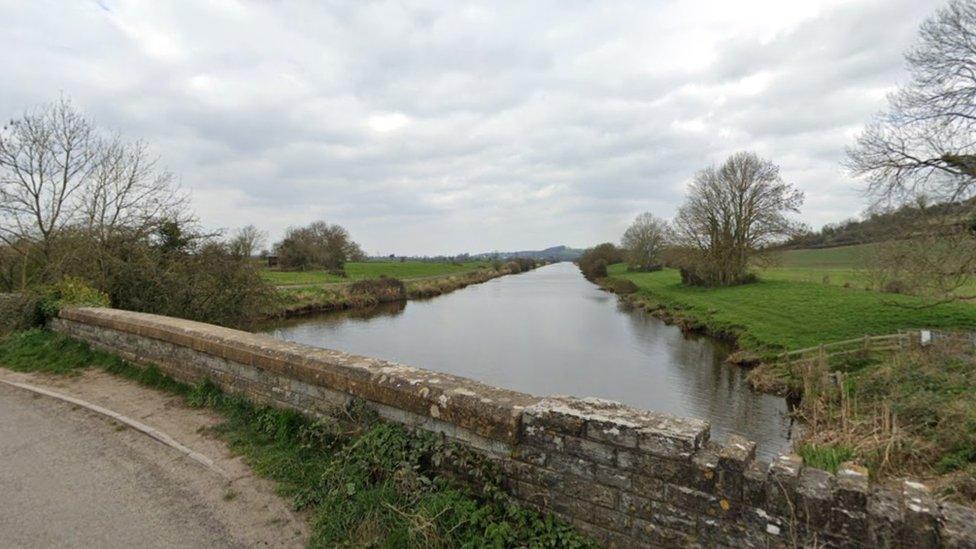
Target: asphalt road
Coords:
[(72, 478)]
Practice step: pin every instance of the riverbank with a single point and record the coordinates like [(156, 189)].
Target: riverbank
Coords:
[(307, 300), (770, 316), (363, 481), (903, 413), (365, 270)]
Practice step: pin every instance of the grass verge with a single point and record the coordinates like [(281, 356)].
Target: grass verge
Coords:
[(910, 414), (318, 299), (366, 270), (364, 481), (781, 314)]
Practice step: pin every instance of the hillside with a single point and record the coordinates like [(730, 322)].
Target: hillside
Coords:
[(883, 225), (555, 253)]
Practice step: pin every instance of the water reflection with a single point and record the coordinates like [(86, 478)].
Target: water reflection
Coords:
[(549, 331)]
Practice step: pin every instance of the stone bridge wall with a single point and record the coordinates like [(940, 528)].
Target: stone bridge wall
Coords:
[(627, 477)]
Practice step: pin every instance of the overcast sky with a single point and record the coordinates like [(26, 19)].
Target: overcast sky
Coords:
[(443, 127)]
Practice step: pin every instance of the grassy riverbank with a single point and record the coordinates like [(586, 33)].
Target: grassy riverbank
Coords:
[(403, 270), (784, 314), (364, 482), (368, 292), (906, 414)]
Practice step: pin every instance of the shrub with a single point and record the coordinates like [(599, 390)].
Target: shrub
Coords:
[(513, 267), (19, 311), (379, 290), (644, 268), (594, 262), (70, 292), (895, 287), (621, 286)]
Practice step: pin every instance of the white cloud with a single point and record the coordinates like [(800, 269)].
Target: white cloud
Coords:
[(440, 127)]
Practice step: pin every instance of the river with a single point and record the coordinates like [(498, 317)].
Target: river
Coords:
[(551, 332)]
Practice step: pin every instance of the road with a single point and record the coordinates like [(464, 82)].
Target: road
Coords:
[(70, 477)]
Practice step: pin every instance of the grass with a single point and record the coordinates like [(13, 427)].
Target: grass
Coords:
[(826, 457), (300, 300), (365, 482), (785, 314), (404, 270), (841, 266), (909, 414)]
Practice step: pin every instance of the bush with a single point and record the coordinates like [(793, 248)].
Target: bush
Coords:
[(513, 267), (19, 311), (621, 286), (379, 290), (645, 268), (895, 287), (70, 292), (594, 262), (202, 281)]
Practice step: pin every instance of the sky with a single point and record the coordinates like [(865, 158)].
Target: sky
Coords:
[(431, 128)]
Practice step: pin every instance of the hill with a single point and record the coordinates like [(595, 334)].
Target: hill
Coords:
[(884, 225), (555, 253)]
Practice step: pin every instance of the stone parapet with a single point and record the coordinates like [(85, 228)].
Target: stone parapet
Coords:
[(627, 477)]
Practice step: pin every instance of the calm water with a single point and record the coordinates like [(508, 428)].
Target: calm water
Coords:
[(550, 332)]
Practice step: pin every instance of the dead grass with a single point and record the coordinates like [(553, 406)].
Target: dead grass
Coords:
[(910, 414)]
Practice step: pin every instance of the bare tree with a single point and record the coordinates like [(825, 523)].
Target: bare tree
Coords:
[(61, 180), (924, 143), (246, 241), (732, 211), (645, 241), (46, 157), (128, 190)]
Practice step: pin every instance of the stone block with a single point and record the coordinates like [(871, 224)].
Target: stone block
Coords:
[(921, 516), (660, 536), (852, 487), (529, 454), (784, 473), (595, 452), (754, 484), (957, 526), (610, 476), (884, 509), (815, 493), (590, 492), (572, 465)]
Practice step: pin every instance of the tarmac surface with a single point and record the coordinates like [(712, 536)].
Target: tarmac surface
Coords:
[(70, 477)]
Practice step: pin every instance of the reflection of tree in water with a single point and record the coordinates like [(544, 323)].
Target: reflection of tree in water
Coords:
[(713, 388), (334, 318)]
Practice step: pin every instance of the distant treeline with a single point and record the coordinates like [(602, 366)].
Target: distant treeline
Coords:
[(881, 226)]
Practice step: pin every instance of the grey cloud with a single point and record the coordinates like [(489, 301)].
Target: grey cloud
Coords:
[(520, 124)]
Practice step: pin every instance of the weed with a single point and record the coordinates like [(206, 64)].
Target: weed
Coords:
[(824, 457)]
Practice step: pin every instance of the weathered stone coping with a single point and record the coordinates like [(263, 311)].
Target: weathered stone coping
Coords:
[(488, 411)]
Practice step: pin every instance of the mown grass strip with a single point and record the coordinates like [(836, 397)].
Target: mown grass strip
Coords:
[(783, 315), (404, 270)]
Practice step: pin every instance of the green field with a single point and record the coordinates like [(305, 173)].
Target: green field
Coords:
[(405, 270), (778, 312)]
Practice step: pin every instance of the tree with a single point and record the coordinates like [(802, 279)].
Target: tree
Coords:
[(594, 261), (922, 150), (318, 245), (46, 157), (923, 143), (127, 190), (61, 177), (732, 211), (644, 242), (246, 241)]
